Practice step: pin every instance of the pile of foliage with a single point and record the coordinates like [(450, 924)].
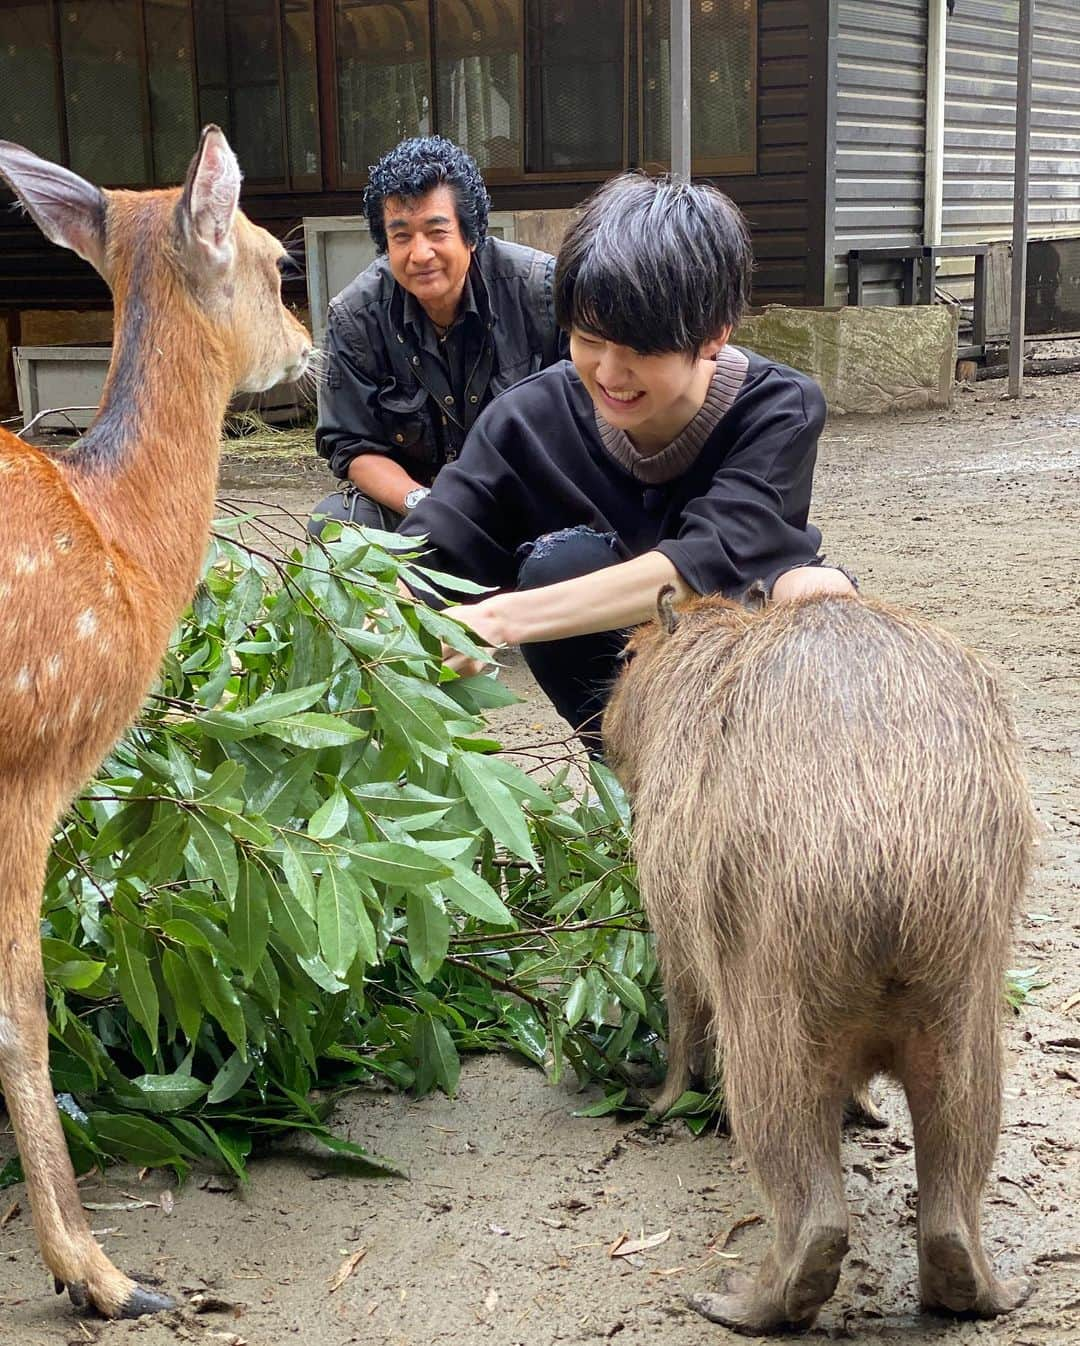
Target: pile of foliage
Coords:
[(308, 868)]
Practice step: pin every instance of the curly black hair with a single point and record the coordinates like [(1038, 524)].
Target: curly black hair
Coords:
[(414, 168), (655, 265)]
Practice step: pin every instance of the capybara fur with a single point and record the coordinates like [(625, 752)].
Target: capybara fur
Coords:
[(832, 832)]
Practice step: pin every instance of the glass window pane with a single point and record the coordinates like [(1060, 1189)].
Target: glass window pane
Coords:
[(576, 63), (28, 104), (238, 46), (301, 93), (479, 80), (103, 91), (383, 77), (721, 80), (172, 88)]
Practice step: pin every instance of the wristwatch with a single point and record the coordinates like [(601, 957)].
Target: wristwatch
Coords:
[(413, 498)]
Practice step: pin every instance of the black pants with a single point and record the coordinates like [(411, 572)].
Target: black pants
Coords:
[(351, 505), (576, 674)]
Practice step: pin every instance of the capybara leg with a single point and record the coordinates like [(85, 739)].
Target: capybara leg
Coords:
[(953, 1086), (791, 1135), (70, 1251), (688, 1046)]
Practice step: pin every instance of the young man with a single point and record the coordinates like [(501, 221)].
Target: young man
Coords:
[(420, 342), (657, 455)]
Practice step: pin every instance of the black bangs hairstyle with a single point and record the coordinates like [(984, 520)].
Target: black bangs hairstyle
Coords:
[(414, 168), (655, 265)]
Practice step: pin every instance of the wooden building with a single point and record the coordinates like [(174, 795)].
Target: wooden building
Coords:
[(833, 123)]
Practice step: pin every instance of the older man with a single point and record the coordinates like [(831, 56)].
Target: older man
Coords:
[(422, 340)]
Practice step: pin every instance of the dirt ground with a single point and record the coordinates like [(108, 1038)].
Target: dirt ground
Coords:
[(502, 1233)]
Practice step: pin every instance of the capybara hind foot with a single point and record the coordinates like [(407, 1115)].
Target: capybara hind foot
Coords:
[(781, 1301), (950, 1281), (861, 1110)]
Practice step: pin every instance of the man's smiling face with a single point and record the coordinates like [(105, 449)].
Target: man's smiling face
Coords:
[(427, 251)]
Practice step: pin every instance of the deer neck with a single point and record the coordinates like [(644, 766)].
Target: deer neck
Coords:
[(147, 468)]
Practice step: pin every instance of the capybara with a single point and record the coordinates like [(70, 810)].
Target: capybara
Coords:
[(832, 832)]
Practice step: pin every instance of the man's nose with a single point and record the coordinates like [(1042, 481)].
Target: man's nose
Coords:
[(422, 251), (611, 367)]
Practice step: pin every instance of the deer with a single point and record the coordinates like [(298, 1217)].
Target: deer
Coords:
[(101, 548)]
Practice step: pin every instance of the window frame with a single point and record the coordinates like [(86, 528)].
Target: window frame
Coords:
[(730, 165)]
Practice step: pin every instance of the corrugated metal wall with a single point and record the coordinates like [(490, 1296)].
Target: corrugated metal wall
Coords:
[(880, 131), (980, 117), (980, 114)]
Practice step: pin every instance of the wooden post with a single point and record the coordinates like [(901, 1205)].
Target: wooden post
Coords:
[(1020, 199), (680, 90)]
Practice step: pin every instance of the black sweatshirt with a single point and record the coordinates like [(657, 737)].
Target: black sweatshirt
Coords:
[(534, 463)]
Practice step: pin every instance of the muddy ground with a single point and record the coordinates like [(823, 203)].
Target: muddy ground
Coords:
[(502, 1234)]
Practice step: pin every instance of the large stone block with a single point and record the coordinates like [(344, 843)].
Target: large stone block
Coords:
[(875, 359), (542, 229)]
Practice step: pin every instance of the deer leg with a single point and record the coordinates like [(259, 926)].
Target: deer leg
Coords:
[(786, 1115), (952, 1078), (70, 1251)]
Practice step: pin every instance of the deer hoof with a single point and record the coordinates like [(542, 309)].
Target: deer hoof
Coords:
[(142, 1301)]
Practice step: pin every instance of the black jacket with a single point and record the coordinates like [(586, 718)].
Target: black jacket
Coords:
[(386, 389), (536, 464)]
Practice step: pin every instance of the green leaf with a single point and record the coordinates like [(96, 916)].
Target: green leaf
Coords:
[(184, 991), (611, 794), (438, 1061), (68, 966), (428, 934), (467, 890), (398, 864), (298, 875), (605, 1107), (220, 998), (137, 1140), (316, 730), (229, 1080), (249, 920), (405, 710), (576, 1001), (274, 706), (135, 981), (339, 904), (627, 991), (211, 854), (169, 1093), (330, 817), (291, 922), (495, 806)]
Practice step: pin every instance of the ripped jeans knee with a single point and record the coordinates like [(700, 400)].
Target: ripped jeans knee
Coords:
[(565, 554)]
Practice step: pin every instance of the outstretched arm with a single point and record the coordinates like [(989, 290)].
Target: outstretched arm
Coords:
[(605, 600)]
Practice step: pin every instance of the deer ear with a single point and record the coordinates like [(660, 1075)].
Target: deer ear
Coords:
[(665, 609), (210, 197), (66, 208)]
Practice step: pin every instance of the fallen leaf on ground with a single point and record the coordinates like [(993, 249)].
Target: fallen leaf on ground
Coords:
[(166, 1202), (627, 1247), (9, 1214), (206, 1301), (119, 1205), (744, 1223), (346, 1269)]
